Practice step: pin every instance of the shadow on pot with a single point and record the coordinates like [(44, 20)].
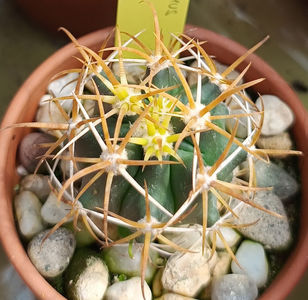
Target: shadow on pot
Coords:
[(78, 16)]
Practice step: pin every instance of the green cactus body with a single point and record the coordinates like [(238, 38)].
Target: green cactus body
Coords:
[(103, 89), (166, 78), (163, 181), (183, 175), (158, 181), (169, 184)]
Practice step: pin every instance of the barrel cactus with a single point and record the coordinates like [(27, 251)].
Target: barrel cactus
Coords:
[(140, 157)]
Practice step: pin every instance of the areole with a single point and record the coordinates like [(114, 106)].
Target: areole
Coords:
[(23, 108)]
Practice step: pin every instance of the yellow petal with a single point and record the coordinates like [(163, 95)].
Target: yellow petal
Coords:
[(121, 92), (151, 128), (139, 141), (149, 153)]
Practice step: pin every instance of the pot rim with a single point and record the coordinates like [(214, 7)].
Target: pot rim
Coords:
[(17, 111)]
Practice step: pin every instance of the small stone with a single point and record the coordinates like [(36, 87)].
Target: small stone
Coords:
[(280, 141), (45, 99), (157, 288), (278, 117), (272, 175), (223, 264), (27, 210), (230, 236), (252, 259), (271, 231), (128, 290), (234, 287), (87, 276), (119, 261), (134, 72), (93, 283), (185, 239), (21, 170), (64, 86), (48, 112), (51, 256), (171, 296), (38, 184), (221, 268), (30, 149), (53, 210), (187, 273)]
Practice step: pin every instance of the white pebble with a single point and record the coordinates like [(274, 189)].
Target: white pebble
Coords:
[(50, 113), (21, 170), (51, 256), (38, 184), (93, 281), (64, 86), (222, 266), (234, 287), (170, 296), (280, 141), (27, 210), (45, 99), (230, 236), (53, 211), (278, 117), (187, 273), (252, 259), (184, 239), (128, 290)]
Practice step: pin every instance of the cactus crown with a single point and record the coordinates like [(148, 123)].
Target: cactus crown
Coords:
[(153, 153)]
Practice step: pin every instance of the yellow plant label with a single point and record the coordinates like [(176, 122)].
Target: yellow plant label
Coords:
[(134, 16)]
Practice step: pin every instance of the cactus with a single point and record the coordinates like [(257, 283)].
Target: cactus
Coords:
[(154, 153)]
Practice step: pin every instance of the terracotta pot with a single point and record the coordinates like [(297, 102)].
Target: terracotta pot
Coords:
[(23, 108), (78, 16)]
